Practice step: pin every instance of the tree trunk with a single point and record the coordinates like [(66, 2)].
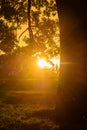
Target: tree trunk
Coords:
[(72, 89), (29, 20)]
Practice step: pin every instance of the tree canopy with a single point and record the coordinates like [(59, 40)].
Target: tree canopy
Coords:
[(41, 19)]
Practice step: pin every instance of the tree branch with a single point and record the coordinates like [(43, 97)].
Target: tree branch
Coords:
[(22, 33), (25, 31)]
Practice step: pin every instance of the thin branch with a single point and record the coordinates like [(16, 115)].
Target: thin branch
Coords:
[(23, 33)]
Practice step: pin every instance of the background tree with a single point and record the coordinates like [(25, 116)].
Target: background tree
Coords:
[(40, 15), (12, 15)]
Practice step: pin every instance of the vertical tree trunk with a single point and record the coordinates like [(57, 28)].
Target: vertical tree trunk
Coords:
[(72, 90), (29, 20)]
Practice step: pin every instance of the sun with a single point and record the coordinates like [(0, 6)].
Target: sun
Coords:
[(53, 63), (44, 64)]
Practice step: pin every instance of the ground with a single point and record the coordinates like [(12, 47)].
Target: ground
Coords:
[(27, 105), (30, 105)]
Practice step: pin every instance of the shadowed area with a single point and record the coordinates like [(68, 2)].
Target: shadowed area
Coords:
[(72, 94)]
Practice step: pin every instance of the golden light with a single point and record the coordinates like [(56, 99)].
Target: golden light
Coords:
[(44, 64), (53, 63)]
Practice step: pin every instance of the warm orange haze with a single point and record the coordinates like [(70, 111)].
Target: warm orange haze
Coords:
[(52, 63), (37, 92), (29, 64)]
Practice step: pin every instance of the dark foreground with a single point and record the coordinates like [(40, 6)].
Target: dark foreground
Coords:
[(30, 105)]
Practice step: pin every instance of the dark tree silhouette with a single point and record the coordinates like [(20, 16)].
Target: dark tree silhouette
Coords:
[(72, 91), (12, 15), (42, 29)]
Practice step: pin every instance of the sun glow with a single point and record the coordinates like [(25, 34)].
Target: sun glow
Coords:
[(44, 64), (55, 61), (52, 63)]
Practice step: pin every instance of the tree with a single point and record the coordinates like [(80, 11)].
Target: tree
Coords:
[(71, 106), (7, 37), (12, 15), (41, 26)]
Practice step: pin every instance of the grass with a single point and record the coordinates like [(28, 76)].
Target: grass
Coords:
[(27, 105), (30, 105), (25, 117)]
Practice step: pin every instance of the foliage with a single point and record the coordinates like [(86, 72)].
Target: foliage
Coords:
[(42, 23), (14, 10), (12, 15), (7, 37), (44, 40)]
